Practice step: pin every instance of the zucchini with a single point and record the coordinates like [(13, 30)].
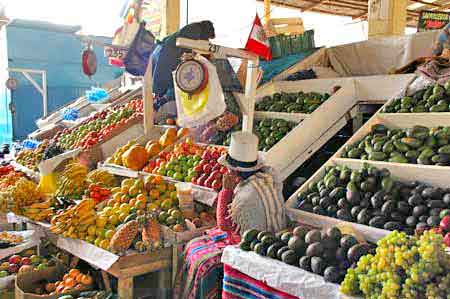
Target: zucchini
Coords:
[(401, 146)]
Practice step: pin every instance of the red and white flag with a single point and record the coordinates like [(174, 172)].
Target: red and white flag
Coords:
[(257, 41)]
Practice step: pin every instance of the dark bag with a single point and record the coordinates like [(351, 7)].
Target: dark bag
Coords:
[(140, 51)]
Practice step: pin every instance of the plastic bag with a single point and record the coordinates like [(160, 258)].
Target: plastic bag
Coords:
[(97, 95), (70, 114), (200, 108), (140, 51)]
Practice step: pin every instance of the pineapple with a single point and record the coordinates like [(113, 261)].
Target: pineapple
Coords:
[(123, 238)]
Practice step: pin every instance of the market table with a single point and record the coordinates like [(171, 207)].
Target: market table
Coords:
[(124, 268), (277, 275)]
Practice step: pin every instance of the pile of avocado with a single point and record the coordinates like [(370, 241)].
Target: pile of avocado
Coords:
[(271, 131), (371, 197), (327, 253), (416, 145), (435, 98), (298, 102)]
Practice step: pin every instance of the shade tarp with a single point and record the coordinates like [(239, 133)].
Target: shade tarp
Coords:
[(381, 55)]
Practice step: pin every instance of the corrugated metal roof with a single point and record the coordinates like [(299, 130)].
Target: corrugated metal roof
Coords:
[(357, 9), (41, 25)]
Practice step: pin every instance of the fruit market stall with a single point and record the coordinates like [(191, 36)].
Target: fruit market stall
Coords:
[(15, 242)]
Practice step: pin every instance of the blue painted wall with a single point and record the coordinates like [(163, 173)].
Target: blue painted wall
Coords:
[(5, 115), (56, 49)]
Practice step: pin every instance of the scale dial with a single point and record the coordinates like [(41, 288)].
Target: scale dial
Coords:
[(191, 76)]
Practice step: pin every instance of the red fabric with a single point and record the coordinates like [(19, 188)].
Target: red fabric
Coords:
[(257, 41), (236, 286), (224, 221)]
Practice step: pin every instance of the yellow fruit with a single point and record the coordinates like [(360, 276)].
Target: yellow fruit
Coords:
[(152, 207), (104, 244), (132, 202), (97, 242), (90, 239), (173, 195), (166, 204), (127, 183), (109, 234), (115, 190), (162, 187), (100, 222), (139, 184), (133, 192), (100, 232), (107, 211), (117, 196), (113, 219), (142, 197), (140, 212), (140, 204), (154, 194), (124, 189), (158, 202), (125, 208), (171, 187), (91, 230), (122, 217), (124, 199)]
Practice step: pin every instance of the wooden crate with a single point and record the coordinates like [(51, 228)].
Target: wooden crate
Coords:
[(437, 176)]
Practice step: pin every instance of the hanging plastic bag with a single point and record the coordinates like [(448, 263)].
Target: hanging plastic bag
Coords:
[(140, 51), (197, 109)]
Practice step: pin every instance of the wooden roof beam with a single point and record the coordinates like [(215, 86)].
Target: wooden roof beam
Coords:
[(425, 3), (314, 5)]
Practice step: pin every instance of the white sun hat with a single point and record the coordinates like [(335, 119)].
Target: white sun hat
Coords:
[(243, 153)]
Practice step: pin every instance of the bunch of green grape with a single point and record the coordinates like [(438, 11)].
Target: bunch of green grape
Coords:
[(402, 267)]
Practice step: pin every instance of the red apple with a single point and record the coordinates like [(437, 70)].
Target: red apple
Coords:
[(209, 182), (201, 180), (25, 261), (13, 268), (216, 185), (207, 169), (217, 167), (215, 155), (198, 168), (216, 174), (223, 170), (194, 180), (447, 240), (437, 230), (445, 224), (15, 259), (206, 156)]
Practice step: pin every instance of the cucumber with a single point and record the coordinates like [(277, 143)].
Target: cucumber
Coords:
[(419, 109), (427, 153), (354, 153)]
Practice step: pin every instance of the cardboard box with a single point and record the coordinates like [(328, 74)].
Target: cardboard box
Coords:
[(27, 282)]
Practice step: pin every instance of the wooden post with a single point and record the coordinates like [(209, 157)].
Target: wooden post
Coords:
[(148, 99), (125, 288), (266, 11), (250, 95), (170, 14), (387, 17)]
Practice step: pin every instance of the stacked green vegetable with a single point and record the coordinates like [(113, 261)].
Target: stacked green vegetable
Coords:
[(407, 267), (435, 98), (328, 253), (373, 198), (298, 102), (269, 132), (416, 145)]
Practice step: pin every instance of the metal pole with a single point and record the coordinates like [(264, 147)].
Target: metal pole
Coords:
[(44, 93)]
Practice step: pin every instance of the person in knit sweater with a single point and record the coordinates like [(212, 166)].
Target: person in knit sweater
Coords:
[(250, 198)]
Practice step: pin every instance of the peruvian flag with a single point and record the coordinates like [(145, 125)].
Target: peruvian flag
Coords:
[(257, 41)]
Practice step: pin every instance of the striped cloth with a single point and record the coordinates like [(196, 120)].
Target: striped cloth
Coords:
[(237, 285)]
